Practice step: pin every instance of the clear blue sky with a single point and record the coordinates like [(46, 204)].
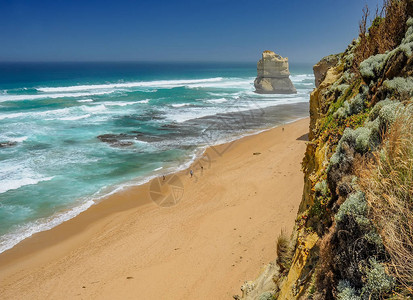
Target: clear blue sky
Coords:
[(159, 30)]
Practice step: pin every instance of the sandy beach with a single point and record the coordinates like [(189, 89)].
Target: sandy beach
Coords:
[(183, 237)]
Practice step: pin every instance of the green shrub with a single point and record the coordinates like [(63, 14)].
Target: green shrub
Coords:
[(382, 117), (335, 158), (363, 141), (409, 33), (348, 56), (348, 76), (374, 126), (266, 296), (350, 107), (374, 238), (407, 48), (400, 85), (357, 105), (355, 206), (340, 113), (321, 188), (388, 113), (372, 67), (346, 291), (342, 87), (378, 282), (376, 109)]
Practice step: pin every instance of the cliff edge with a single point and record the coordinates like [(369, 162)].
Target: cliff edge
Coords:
[(353, 237)]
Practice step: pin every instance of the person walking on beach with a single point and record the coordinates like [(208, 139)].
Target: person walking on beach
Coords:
[(191, 172)]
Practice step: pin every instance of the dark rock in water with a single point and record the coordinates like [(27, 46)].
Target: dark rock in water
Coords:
[(137, 133), (108, 138), (170, 126), (157, 117), (122, 144), (70, 142), (273, 75), (7, 144), (147, 117), (117, 140), (38, 146), (125, 140)]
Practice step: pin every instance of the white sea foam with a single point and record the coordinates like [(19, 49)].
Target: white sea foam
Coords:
[(143, 101), (180, 105), (214, 101), (101, 89), (75, 118), (94, 108), (302, 76), (296, 79), (13, 184), (7, 97), (11, 116), (156, 83), (122, 103), (238, 83), (16, 139), (8, 241), (62, 113), (236, 106)]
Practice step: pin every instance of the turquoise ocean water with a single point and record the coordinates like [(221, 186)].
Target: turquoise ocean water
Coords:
[(71, 133)]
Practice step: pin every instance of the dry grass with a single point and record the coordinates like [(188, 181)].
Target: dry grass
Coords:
[(325, 276), (285, 252), (385, 33), (388, 183)]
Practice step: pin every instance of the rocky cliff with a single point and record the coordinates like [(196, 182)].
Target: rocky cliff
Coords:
[(273, 75), (353, 237)]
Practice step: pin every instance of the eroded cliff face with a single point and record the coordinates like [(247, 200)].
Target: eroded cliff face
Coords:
[(320, 69), (339, 244), (273, 75), (341, 248)]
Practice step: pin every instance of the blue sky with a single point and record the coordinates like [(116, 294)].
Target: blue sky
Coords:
[(207, 30)]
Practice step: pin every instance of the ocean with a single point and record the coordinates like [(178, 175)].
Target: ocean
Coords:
[(73, 133)]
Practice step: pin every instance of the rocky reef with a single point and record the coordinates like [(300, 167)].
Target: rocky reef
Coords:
[(273, 75), (7, 144), (353, 237)]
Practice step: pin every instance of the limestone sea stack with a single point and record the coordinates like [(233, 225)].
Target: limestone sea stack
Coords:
[(273, 75)]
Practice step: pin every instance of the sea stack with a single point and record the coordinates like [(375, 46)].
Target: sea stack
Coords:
[(273, 75)]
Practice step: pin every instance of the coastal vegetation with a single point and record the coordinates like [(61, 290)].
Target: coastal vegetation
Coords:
[(353, 237)]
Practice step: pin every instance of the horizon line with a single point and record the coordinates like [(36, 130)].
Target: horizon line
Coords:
[(139, 61)]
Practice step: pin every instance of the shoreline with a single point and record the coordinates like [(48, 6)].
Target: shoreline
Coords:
[(48, 223), (68, 237)]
